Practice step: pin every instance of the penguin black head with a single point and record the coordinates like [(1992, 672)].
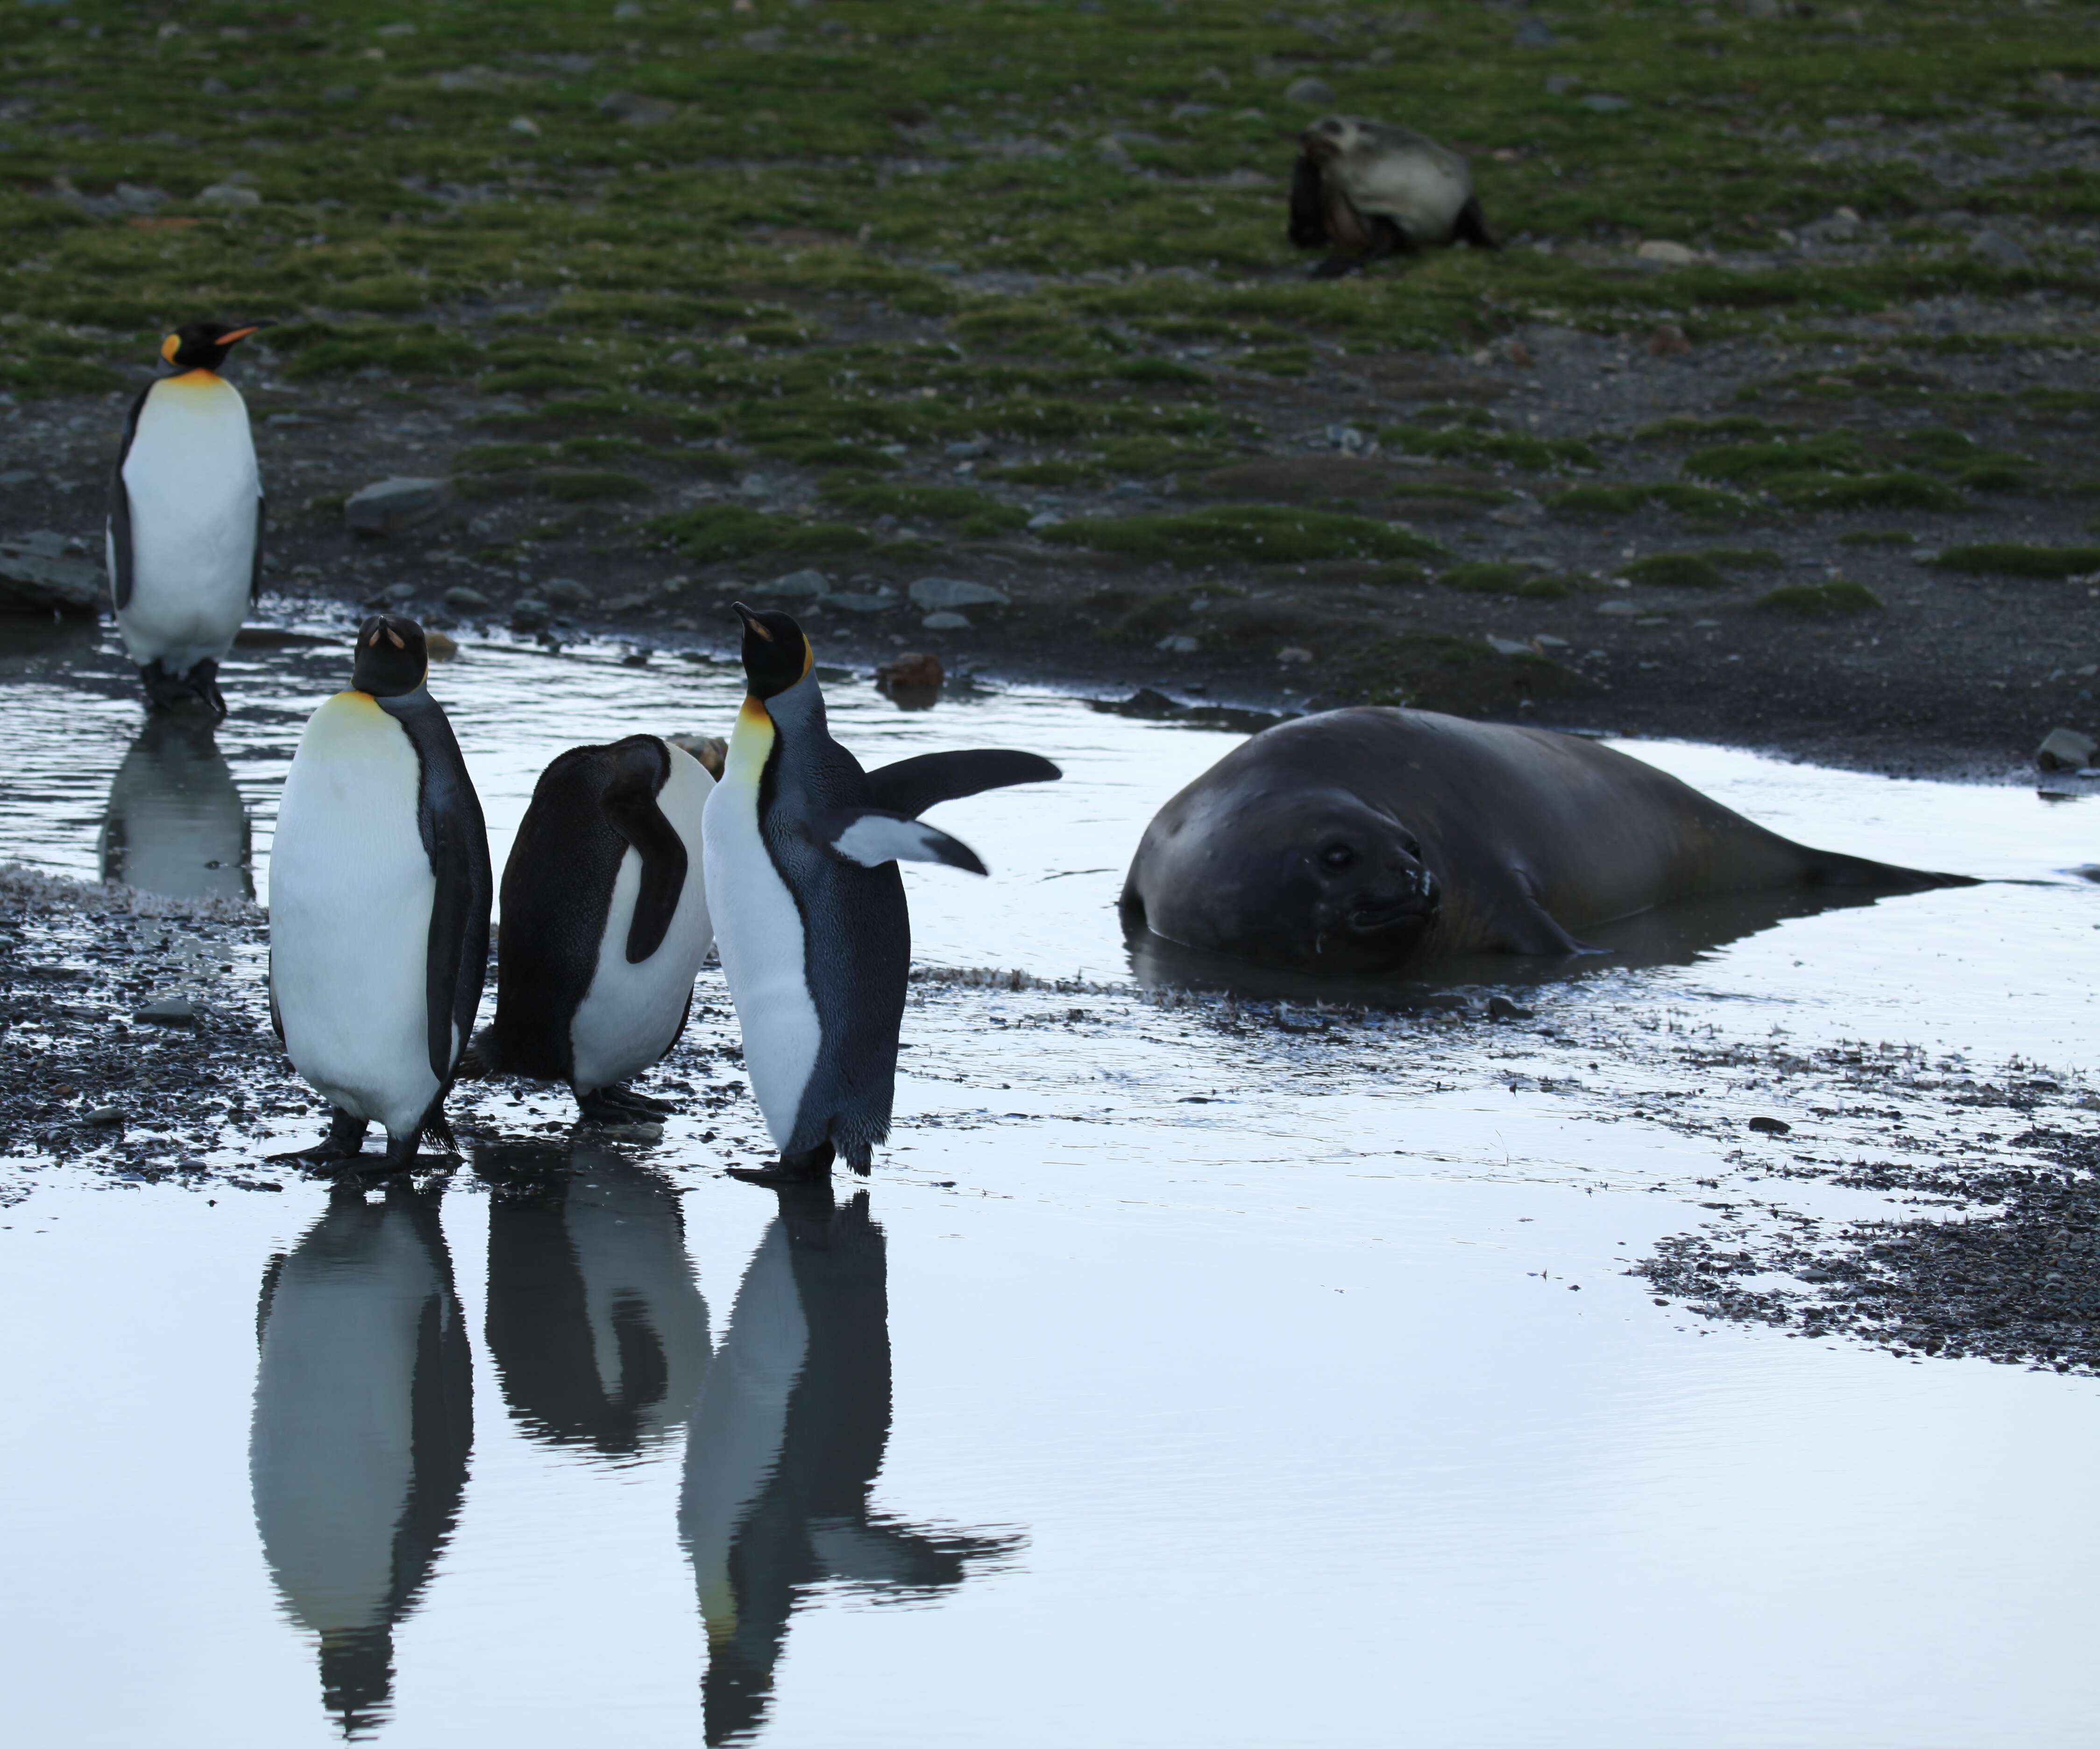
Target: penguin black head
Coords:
[(1329, 137), (203, 345), (776, 652), (392, 656)]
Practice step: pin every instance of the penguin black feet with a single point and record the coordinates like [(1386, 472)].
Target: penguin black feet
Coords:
[(167, 691), (813, 1167), (344, 1141), (622, 1105)]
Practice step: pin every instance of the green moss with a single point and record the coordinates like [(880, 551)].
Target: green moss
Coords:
[(1821, 601), (1674, 571), (1869, 491), (1488, 577), (1743, 558), (1759, 464), (1534, 455), (1877, 538), (1161, 371), (972, 512), (1736, 426), (1704, 502), (1278, 361), (1049, 473), (717, 532), (2013, 558), (420, 352), (578, 485), (1993, 476), (499, 458), (1263, 534)]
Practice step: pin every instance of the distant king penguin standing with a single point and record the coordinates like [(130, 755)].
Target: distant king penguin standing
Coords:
[(801, 848), (185, 529), (379, 902)]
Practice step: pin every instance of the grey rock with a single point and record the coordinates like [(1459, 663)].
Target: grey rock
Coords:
[(1560, 84), (1999, 250), (1603, 103), (1178, 643), (1772, 1126), (528, 614), (1617, 610), (2066, 750), (1500, 1007), (564, 593), (1313, 92), (765, 41), (399, 593), (807, 584), (955, 592), (461, 599), (36, 580), (1533, 33), (632, 109), (1044, 519), (106, 1117), (229, 195), (968, 449), (1507, 645), (388, 506), (944, 621), (851, 602), (168, 1011)]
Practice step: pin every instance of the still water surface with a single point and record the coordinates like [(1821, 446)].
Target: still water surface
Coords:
[(1314, 1411)]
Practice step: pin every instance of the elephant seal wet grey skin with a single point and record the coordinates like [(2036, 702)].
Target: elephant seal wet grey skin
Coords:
[(1364, 843)]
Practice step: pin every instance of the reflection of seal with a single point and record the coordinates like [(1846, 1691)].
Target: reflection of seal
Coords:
[(1377, 189), (1358, 842), (363, 1418), (785, 1444), (597, 1331)]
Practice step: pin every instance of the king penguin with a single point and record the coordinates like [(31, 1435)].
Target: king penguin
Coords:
[(379, 899), (801, 852), (185, 528), (605, 923)]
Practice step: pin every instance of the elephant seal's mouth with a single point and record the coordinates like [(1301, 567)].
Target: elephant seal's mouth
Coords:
[(1374, 913)]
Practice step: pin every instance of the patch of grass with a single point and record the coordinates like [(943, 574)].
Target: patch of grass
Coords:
[(1868, 491), (1735, 426), (422, 350), (975, 514), (1877, 537), (1707, 502), (1993, 476), (1533, 455), (1266, 534), (499, 458), (1278, 361), (2014, 559), (1489, 577), (1835, 599), (1743, 558), (1048, 473), (717, 532), (583, 485), (1674, 571), (1162, 372), (1764, 463)]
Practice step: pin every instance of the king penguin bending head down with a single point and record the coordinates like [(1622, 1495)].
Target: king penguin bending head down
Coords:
[(379, 902), (801, 848)]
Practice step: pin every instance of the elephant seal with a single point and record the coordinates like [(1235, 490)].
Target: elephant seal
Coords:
[(1377, 189), (1360, 842)]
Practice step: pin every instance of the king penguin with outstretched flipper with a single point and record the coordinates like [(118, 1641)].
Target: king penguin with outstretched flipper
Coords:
[(605, 923), (801, 848), (379, 900), (185, 528)]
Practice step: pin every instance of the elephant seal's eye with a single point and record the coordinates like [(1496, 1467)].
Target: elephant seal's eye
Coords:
[(1338, 856), (1412, 846)]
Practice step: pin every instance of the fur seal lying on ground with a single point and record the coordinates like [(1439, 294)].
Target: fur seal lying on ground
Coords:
[(1376, 188), (1363, 841), (1371, 186)]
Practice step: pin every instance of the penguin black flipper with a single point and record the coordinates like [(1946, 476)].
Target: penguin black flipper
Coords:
[(255, 569), (1309, 214), (911, 786), (120, 510), (641, 768), (871, 837), (1471, 226), (448, 814)]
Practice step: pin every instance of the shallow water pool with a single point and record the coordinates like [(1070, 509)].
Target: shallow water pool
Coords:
[(1189, 1374)]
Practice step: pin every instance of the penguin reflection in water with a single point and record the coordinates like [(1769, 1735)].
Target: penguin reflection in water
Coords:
[(379, 900), (595, 1325), (786, 1443), (185, 528), (801, 853), (176, 823), (605, 923), (364, 1423)]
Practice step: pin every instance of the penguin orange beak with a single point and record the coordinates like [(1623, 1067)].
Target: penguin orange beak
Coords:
[(242, 333), (751, 623)]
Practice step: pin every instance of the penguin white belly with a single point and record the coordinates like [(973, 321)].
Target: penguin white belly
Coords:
[(759, 931), (1418, 192), (192, 483), (350, 896), (630, 1013), (331, 1458)]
